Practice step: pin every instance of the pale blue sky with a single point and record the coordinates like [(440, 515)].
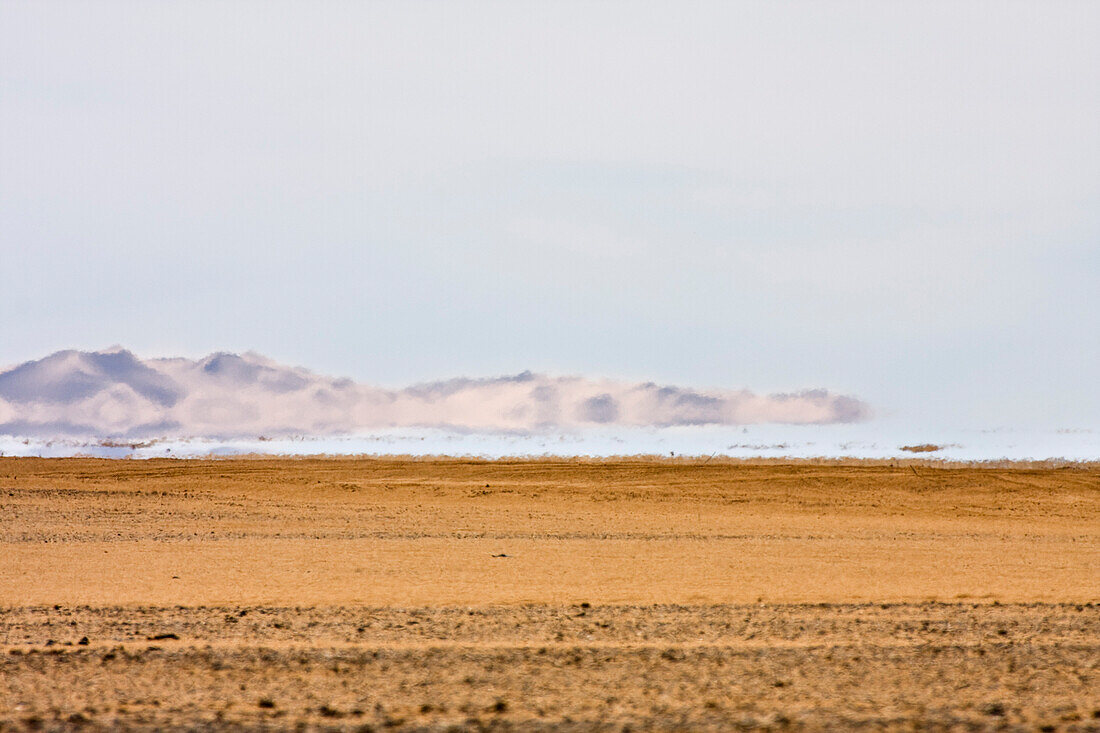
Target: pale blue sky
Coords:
[(896, 200)]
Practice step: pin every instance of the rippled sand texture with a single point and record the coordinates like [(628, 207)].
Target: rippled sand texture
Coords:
[(547, 595)]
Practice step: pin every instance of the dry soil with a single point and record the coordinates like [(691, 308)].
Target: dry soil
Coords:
[(538, 595)]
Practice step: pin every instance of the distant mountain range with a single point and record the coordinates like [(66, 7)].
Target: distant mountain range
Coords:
[(114, 394)]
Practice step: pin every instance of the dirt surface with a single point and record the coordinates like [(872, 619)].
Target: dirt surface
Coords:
[(547, 595), (567, 667)]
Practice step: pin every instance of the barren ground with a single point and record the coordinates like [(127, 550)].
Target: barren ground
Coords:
[(547, 595)]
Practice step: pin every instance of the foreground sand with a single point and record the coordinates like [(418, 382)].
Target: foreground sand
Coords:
[(534, 667), (645, 594)]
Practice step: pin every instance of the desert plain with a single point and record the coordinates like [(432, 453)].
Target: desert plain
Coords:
[(550, 594)]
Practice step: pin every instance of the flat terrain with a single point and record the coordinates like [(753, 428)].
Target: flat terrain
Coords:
[(547, 595)]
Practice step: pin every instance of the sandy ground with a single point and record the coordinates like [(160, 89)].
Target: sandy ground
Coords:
[(547, 595)]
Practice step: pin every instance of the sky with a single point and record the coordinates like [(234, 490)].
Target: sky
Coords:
[(899, 201)]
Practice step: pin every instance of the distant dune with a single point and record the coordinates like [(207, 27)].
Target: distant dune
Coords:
[(113, 393)]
